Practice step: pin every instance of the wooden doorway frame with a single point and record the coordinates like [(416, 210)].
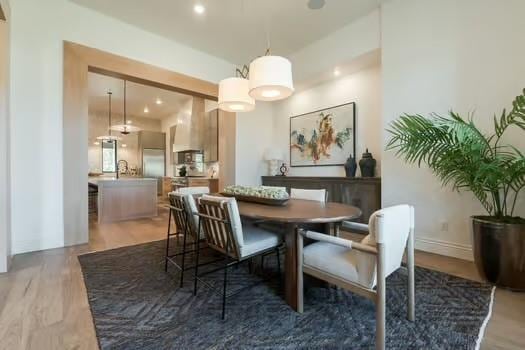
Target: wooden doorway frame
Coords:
[(78, 61)]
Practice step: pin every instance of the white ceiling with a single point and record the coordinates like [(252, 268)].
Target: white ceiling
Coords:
[(236, 29), (138, 96)]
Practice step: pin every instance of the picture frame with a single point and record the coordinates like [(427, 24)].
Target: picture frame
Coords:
[(325, 137)]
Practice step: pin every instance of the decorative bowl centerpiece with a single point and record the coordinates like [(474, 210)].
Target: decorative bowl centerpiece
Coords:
[(258, 194)]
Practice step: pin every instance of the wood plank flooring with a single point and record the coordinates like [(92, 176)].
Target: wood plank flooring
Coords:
[(43, 303)]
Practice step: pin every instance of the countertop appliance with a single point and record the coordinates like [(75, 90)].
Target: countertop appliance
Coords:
[(154, 165)]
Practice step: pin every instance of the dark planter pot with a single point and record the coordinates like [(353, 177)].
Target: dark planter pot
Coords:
[(499, 252)]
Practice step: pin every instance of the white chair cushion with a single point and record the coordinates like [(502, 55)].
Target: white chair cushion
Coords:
[(340, 262), (312, 195), (191, 210), (257, 239), (187, 194)]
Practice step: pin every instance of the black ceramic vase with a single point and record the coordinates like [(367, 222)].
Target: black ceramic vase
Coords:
[(182, 171), (367, 165), (350, 167)]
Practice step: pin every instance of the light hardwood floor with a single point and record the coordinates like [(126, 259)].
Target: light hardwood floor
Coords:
[(43, 303)]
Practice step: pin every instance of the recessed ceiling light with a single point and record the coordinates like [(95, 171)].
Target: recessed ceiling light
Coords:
[(199, 9), (124, 145), (337, 72), (146, 109), (316, 4), (158, 101), (130, 121)]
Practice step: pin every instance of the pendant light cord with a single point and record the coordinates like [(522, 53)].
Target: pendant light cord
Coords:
[(109, 109), (125, 116)]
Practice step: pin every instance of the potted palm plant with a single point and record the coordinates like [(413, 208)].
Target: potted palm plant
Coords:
[(463, 156)]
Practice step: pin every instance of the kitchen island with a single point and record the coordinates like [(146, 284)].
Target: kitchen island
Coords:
[(125, 198)]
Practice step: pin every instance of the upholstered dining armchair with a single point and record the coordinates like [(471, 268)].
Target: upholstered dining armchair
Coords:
[(312, 195), (362, 267)]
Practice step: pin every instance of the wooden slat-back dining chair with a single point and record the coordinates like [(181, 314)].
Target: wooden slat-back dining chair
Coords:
[(225, 233), (184, 211), (363, 267)]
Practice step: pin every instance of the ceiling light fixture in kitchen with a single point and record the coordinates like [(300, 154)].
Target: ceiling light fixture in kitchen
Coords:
[(109, 137), (125, 128), (146, 110), (158, 101)]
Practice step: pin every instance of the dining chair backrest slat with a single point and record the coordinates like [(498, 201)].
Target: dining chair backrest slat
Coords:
[(215, 221), (179, 212)]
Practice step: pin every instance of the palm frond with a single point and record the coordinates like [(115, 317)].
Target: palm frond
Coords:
[(462, 156)]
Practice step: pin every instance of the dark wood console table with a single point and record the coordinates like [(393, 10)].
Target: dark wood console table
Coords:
[(361, 192)]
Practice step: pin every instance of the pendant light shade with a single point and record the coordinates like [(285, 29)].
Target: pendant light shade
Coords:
[(233, 95), (271, 78)]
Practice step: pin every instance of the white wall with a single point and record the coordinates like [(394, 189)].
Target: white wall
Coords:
[(37, 34), (461, 55), (363, 88), (254, 136), (5, 193), (342, 46)]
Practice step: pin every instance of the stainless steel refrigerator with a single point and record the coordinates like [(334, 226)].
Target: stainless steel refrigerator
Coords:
[(154, 165)]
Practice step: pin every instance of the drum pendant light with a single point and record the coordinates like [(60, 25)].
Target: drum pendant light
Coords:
[(233, 95), (271, 78)]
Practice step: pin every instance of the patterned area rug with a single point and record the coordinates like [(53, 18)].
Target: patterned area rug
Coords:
[(136, 305)]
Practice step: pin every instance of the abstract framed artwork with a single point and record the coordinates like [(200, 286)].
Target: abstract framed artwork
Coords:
[(323, 138)]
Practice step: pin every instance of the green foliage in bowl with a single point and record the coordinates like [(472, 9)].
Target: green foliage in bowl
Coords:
[(257, 191)]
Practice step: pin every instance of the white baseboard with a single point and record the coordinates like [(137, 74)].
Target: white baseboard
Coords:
[(460, 251)]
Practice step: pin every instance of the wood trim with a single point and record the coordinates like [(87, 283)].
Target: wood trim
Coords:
[(78, 61), (122, 67)]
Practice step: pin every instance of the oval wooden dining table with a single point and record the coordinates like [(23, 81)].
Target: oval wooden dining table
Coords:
[(294, 215)]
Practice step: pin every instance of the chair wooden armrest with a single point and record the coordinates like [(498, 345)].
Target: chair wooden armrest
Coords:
[(355, 227), (339, 241)]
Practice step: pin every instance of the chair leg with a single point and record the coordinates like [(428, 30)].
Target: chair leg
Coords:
[(278, 260), (183, 256), (224, 288), (167, 243), (381, 296), (300, 291), (411, 277), (196, 267)]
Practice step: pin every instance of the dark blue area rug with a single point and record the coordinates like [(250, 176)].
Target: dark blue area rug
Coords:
[(136, 305)]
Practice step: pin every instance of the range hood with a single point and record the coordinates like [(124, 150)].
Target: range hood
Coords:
[(188, 132), (196, 130)]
